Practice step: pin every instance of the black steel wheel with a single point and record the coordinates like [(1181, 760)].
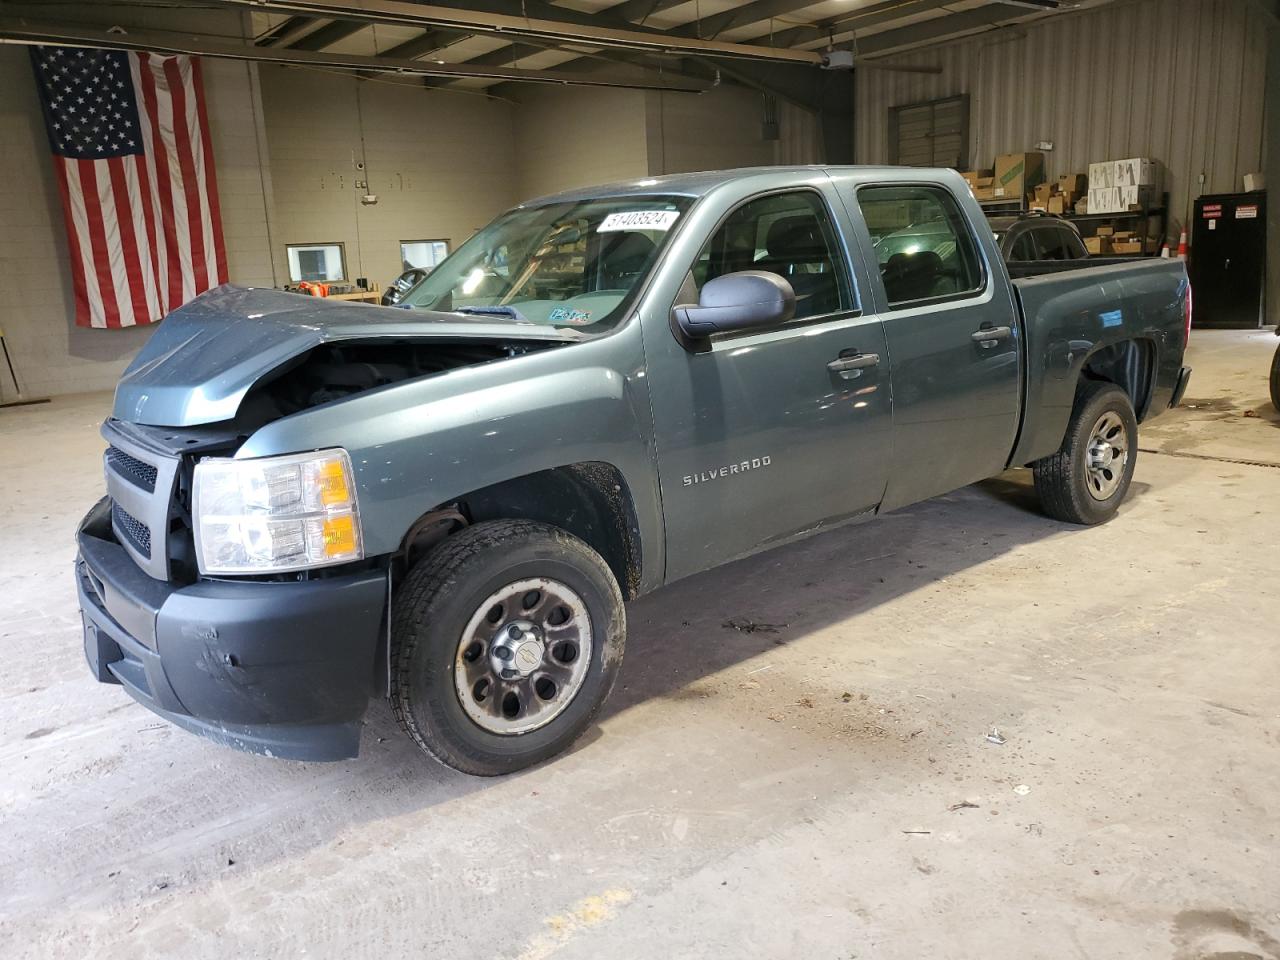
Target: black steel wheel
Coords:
[(1087, 479), (506, 639)]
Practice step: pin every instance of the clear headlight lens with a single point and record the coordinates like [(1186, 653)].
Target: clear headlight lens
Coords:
[(276, 513)]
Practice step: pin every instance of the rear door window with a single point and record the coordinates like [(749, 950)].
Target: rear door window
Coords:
[(924, 247)]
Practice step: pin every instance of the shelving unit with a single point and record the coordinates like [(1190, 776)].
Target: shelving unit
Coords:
[(1144, 216), (1004, 208), (1015, 206)]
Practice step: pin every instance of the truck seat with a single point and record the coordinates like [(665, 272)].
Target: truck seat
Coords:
[(915, 276), (796, 249)]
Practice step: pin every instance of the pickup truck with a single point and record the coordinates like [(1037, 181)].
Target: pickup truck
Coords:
[(447, 502)]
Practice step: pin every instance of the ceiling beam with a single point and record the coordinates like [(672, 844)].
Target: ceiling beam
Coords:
[(285, 31), (426, 42), (476, 21), (843, 28), (22, 30), (759, 11), (328, 35), (638, 10), (942, 28)]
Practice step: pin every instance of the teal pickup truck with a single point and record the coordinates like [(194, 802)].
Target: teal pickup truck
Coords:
[(447, 502)]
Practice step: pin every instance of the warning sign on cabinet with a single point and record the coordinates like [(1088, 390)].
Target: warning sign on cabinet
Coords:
[(1247, 211)]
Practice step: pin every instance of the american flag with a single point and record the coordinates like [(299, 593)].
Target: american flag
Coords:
[(130, 140)]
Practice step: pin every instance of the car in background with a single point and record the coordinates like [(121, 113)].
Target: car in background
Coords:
[(1029, 237), (1037, 236)]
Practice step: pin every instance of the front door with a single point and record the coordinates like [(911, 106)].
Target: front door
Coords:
[(953, 335), (764, 435)]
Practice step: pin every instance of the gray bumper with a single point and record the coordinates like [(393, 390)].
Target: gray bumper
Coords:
[(283, 669)]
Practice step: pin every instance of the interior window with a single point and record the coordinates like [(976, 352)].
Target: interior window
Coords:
[(923, 246), (1023, 247), (1055, 243), (788, 234)]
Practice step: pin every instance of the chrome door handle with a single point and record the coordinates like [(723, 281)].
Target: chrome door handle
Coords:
[(988, 336), (852, 366)]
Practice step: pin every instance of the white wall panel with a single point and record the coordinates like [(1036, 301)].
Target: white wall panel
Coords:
[(1177, 80)]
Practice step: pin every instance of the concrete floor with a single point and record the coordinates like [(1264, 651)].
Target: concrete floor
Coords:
[(819, 789)]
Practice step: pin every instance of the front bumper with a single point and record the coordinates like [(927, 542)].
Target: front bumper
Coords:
[(284, 669)]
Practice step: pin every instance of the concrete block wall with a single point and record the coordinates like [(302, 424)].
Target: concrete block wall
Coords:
[(441, 163), (574, 136)]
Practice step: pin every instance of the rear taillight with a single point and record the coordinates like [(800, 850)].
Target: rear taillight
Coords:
[(1187, 339)]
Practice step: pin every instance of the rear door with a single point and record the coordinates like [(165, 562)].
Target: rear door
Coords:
[(764, 434), (953, 340)]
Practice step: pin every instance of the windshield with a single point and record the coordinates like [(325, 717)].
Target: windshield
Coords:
[(572, 264)]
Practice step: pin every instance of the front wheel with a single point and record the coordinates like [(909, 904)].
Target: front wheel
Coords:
[(1087, 479), (506, 639)]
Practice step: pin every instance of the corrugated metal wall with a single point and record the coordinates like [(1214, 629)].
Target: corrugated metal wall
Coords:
[(1180, 81)]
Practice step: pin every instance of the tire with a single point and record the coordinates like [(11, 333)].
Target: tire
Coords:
[(1070, 489), (1275, 379), (577, 627)]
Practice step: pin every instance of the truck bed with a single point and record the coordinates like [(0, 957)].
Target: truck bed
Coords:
[(1020, 269), (1073, 310)]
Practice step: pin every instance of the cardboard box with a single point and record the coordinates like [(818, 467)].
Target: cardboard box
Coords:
[(984, 193), (1135, 172), (1058, 204), (1082, 206), (1119, 199), (1073, 184), (1044, 193), (1105, 231), (1123, 248), (1017, 173), (973, 176), (1097, 246), (1254, 181)]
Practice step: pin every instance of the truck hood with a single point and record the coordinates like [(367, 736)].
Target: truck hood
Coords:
[(205, 356)]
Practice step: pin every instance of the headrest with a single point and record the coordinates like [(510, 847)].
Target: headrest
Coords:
[(922, 261), (796, 239), (627, 246)]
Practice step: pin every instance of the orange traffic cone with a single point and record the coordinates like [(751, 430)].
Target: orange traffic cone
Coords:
[(1182, 245), (1164, 251)]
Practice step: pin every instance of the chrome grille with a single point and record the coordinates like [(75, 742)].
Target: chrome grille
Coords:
[(138, 533), (142, 474)]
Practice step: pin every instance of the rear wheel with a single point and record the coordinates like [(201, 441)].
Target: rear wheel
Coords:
[(1087, 479), (506, 638), (1275, 379)]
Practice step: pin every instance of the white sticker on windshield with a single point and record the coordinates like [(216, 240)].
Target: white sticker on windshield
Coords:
[(638, 220)]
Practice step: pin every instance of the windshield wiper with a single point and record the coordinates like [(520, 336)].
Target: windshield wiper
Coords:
[(499, 311)]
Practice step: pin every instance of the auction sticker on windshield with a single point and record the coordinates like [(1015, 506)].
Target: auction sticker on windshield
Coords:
[(638, 220)]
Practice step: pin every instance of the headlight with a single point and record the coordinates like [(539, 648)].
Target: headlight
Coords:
[(276, 513)]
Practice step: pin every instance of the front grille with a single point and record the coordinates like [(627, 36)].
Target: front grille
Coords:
[(139, 533), (138, 472)]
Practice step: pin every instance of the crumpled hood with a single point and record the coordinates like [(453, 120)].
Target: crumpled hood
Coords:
[(204, 357)]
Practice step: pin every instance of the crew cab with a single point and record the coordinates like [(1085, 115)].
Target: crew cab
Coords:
[(447, 502)]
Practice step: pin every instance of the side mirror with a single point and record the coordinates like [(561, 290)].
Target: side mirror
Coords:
[(738, 301)]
